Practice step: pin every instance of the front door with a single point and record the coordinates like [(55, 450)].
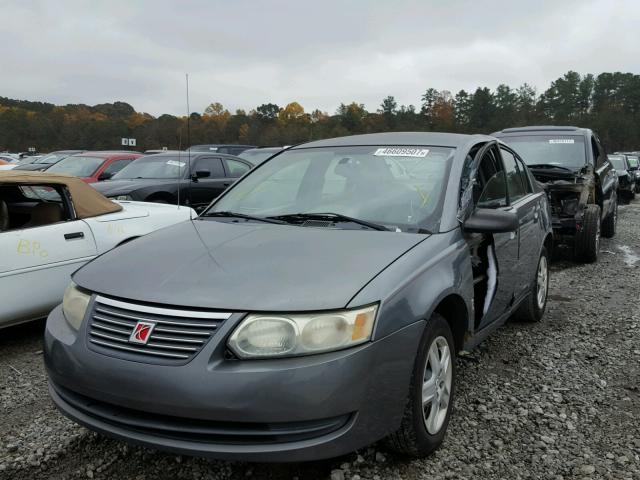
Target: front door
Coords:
[(208, 181), (502, 252)]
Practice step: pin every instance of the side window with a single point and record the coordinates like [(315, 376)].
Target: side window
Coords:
[(524, 175), (212, 165), (491, 182), (33, 206), (235, 168), (116, 166), (515, 186)]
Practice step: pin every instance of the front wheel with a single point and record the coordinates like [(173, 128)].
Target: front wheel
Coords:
[(428, 407), (588, 238)]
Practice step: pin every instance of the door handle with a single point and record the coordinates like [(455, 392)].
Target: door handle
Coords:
[(72, 236), (226, 184)]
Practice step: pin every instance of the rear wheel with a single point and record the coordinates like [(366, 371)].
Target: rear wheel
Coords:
[(533, 307), (610, 223), (428, 408), (588, 239)]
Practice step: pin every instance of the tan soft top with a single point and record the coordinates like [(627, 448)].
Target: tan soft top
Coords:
[(87, 201)]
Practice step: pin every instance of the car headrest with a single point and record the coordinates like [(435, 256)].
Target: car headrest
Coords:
[(45, 214)]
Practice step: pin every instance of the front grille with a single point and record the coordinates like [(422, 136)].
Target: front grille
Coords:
[(178, 335)]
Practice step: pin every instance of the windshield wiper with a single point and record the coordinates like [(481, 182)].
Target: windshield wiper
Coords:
[(549, 165), (331, 216), (240, 215)]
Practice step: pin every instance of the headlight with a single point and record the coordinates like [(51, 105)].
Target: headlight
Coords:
[(569, 206), (74, 305), (122, 197), (267, 336)]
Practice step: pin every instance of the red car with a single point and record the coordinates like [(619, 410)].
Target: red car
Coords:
[(94, 166)]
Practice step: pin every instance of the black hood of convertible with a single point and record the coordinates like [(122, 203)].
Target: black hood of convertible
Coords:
[(126, 186), (245, 267)]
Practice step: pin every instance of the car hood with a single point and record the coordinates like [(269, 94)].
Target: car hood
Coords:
[(246, 267), (123, 187)]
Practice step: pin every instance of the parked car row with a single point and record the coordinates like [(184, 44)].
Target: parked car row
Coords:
[(319, 300), (192, 178)]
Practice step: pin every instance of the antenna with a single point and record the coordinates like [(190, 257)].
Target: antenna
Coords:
[(179, 162), (188, 142)]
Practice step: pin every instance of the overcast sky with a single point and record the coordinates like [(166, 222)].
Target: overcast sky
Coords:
[(320, 53)]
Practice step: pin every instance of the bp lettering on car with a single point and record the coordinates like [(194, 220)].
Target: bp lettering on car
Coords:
[(315, 307)]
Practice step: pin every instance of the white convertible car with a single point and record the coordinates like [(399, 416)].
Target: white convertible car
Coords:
[(51, 225)]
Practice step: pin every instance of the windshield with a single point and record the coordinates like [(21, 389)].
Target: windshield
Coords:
[(633, 161), (563, 151), (401, 188), (617, 161), (154, 166), (77, 166), (256, 157)]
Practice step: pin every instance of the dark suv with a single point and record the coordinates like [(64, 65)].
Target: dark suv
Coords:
[(192, 179), (571, 164)]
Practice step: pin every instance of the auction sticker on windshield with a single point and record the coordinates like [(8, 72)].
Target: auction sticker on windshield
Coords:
[(176, 163), (401, 152), (562, 140)]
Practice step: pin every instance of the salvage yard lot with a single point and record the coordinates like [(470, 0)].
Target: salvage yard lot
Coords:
[(558, 399)]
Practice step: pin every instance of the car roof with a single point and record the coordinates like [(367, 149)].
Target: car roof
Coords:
[(221, 145), (71, 152), (543, 129), (106, 154), (434, 139), (193, 155)]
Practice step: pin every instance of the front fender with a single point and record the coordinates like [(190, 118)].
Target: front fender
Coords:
[(411, 288)]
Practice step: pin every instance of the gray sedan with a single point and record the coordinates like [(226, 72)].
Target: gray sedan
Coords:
[(315, 307)]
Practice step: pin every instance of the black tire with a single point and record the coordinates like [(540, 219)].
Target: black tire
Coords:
[(531, 309), (413, 438), (588, 239), (610, 223)]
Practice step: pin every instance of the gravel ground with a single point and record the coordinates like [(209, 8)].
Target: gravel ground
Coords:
[(555, 400)]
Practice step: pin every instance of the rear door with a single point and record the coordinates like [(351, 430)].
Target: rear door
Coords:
[(37, 261), (205, 189), (527, 205)]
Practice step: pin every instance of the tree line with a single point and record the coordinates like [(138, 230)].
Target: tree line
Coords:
[(609, 103)]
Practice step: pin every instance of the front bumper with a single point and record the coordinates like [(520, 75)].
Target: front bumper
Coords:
[(295, 409)]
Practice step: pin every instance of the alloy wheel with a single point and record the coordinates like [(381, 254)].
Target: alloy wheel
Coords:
[(542, 282), (436, 386)]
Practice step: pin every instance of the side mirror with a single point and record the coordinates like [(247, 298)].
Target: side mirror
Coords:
[(201, 174), (105, 176), (488, 220)]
